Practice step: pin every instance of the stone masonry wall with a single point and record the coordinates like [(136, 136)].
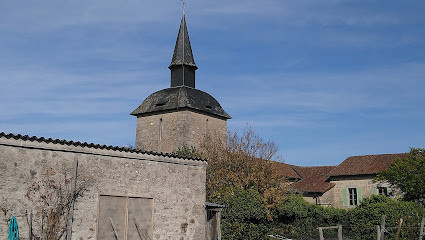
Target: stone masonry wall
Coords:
[(167, 131), (326, 199), (364, 182), (177, 186)]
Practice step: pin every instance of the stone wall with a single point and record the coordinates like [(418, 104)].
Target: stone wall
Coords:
[(166, 132), (324, 199), (177, 186), (364, 182)]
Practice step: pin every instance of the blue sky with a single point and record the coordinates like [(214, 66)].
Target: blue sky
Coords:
[(323, 79)]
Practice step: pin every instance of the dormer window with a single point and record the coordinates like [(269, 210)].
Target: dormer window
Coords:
[(161, 103)]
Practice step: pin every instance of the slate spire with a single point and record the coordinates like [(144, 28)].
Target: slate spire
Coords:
[(183, 65)]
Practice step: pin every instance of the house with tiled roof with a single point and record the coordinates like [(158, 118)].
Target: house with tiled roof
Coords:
[(342, 186)]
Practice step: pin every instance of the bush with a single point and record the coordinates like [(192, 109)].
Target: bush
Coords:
[(367, 215), (234, 230), (302, 218), (243, 206), (245, 214)]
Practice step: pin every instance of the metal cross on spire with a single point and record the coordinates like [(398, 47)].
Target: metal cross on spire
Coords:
[(183, 5)]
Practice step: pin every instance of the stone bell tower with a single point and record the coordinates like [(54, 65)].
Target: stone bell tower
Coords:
[(181, 114)]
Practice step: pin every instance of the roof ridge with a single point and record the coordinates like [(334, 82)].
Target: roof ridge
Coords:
[(299, 175), (379, 154), (93, 145), (316, 166)]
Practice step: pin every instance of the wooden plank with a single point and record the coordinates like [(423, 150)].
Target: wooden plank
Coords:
[(139, 230), (114, 208), (140, 209), (382, 227), (321, 233), (126, 219), (113, 228), (378, 232), (331, 227), (399, 229), (339, 232), (30, 223), (218, 225), (70, 216), (421, 234)]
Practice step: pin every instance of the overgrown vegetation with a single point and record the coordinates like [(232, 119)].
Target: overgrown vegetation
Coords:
[(245, 163), (408, 175), (52, 201), (241, 176), (364, 218), (300, 219), (187, 151)]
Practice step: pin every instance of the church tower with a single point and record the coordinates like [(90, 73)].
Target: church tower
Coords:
[(181, 114)]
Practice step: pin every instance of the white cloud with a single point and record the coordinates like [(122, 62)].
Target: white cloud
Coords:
[(395, 88)]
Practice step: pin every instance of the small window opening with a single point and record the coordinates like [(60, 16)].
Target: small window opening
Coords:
[(207, 125), (208, 106), (160, 129), (383, 191), (353, 196)]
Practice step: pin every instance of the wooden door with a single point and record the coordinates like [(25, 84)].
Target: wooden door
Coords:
[(125, 218)]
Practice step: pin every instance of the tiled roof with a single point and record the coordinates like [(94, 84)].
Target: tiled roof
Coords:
[(364, 165), (286, 170), (182, 97), (313, 179), (91, 145)]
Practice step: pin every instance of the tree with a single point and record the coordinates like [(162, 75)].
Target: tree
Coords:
[(408, 175), (242, 175), (245, 162)]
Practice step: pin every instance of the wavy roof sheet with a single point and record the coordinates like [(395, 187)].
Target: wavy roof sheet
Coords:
[(91, 145)]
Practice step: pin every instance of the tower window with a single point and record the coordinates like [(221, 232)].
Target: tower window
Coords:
[(207, 125), (160, 129)]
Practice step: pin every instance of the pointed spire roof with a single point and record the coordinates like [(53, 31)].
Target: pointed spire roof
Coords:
[(183, 51)]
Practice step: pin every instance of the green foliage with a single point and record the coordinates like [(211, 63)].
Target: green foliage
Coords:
[(244, 162), (303, 218), (241, 175), (244, 216), (234, 230), (408, 175), (187, 152), (364, 218), (243, 206)]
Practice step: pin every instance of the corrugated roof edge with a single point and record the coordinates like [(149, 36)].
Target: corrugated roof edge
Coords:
[(93, 145)]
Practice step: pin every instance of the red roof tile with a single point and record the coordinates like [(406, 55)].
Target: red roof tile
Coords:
[(285, 170), (313, 179), (364, 165)]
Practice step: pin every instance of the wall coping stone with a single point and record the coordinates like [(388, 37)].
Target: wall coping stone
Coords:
[(33, 142)]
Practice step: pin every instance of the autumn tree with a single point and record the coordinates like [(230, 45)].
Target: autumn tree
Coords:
[(245, 162), (408, 175)]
